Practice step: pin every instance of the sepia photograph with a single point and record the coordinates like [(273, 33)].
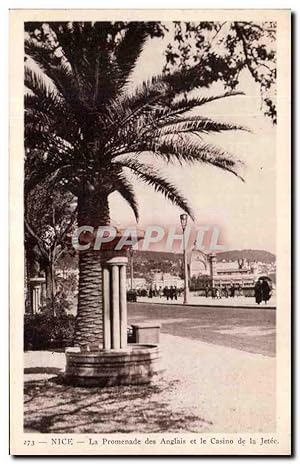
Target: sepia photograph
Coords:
[(153, 278)]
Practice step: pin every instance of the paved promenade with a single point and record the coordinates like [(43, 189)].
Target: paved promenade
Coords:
[(237, 301), (205, 388), (247, 329), (220, 376)]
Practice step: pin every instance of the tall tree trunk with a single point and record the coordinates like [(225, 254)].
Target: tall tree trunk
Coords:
[(93, 211), (50, 285), (28, 260)]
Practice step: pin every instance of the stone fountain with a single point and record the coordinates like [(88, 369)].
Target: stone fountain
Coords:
[(117, 362)]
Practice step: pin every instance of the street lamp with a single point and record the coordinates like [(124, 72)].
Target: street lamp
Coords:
[(131, 252), (183, 220)]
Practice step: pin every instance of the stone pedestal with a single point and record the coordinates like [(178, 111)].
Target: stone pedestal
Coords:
[(36, 288), (145, 332)]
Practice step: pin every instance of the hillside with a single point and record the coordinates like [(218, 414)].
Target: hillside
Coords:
[(172, 262), (251, 255), (232, 255)]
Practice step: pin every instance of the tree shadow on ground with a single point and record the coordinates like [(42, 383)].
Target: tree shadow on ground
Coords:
[(43, 370), (52, 407)]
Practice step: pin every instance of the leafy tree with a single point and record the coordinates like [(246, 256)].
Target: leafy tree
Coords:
[(220, 51), (48, 219), (91, 132)]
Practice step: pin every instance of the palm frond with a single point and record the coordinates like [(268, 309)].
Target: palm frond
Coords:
[(193, 149), (188, 148), (59, 71), (174, 108), (186, 103), (151, 107), (47, 112), (153, 178), (43, 129), (38, 85), (156, 98), (123, 108), (126, 190), (175, 125), (86, 59), (130, 48)]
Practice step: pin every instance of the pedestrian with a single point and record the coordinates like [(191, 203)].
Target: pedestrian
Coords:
[(232, 291), (171, 292), (240, 292), (258, 292), (160, 292), (266, 290), (225, 291), (175, 292), (167, 292)]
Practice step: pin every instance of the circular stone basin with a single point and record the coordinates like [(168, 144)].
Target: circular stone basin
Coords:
[(135, 364)]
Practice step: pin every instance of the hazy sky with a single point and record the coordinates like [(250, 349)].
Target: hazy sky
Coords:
[(244, 211)]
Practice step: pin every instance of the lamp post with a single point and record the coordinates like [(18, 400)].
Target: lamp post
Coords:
[(131, 252), (183, 220)]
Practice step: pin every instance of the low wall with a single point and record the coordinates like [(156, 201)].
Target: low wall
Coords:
[(136, 364), (245, 291)]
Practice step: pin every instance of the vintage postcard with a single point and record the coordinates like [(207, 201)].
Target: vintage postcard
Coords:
[(150, 232)]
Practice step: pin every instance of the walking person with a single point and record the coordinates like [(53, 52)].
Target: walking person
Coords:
[(175, 292), (171, 292), (239, 290), (167, 292), (266, 290), (232, 291), (226, 292), (258, 292), (160, 292)]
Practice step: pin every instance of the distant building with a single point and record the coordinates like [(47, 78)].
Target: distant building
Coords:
[(164, 279), (206, 271), (155, 281), (138, 283)]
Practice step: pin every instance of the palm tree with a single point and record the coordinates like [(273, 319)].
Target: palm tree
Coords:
[(83, 130)]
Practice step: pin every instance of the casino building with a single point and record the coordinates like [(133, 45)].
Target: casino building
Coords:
[(206, 272)]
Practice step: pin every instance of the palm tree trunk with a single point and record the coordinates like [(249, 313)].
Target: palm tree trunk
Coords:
[(93, 211)]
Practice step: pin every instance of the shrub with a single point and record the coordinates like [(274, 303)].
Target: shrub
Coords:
[(43, 331)]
